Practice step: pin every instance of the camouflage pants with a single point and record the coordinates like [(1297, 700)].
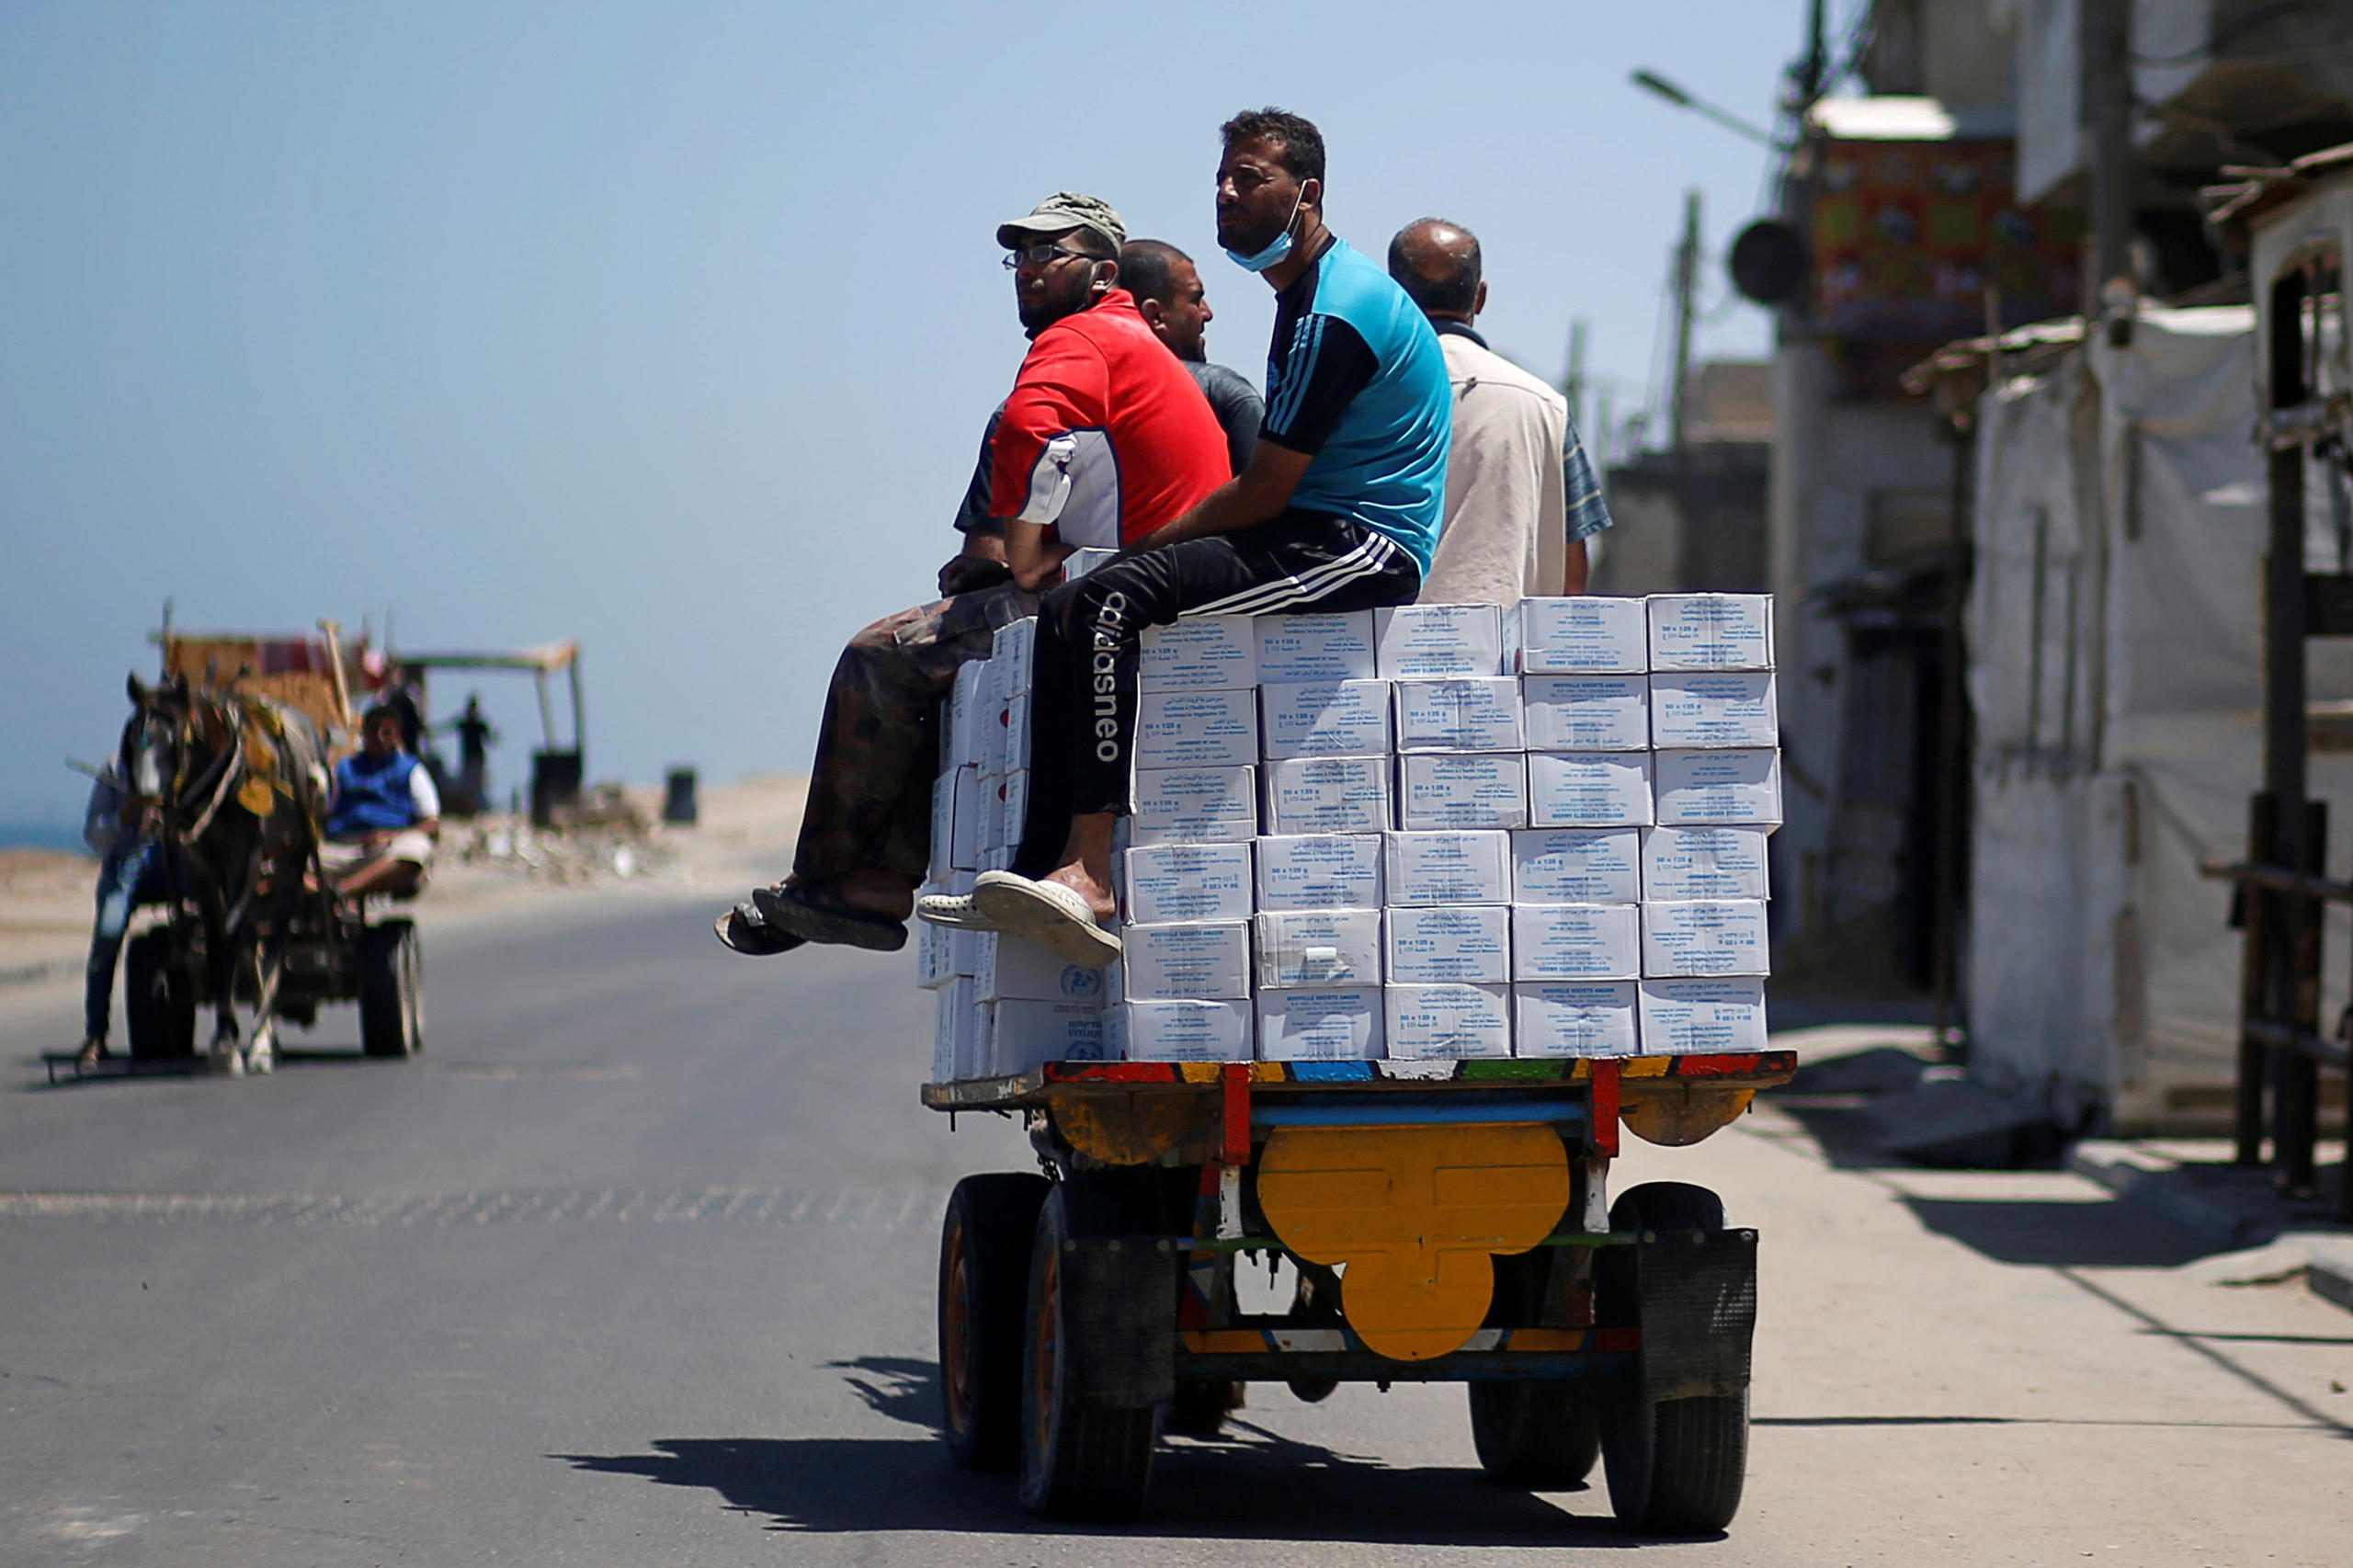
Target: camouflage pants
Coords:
[(878, 749)]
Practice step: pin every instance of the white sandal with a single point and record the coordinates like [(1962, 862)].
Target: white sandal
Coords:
[(1054, 917), (955, 910)]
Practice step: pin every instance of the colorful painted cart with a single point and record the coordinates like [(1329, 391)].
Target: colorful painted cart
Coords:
[(1449, 1220)]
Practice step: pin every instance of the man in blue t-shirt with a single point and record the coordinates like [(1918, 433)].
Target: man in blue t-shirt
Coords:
[(385, 816), (1338, 510)]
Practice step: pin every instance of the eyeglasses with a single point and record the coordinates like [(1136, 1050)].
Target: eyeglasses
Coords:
[(1039, 256)]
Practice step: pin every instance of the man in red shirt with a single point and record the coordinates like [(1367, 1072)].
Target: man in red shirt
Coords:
[(1104, 438)]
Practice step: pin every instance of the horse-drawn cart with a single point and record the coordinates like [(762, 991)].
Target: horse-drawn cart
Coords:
[(230, 754), (1449, 1221)]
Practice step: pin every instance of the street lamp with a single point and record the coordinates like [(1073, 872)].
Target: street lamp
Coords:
[(1651, 82)]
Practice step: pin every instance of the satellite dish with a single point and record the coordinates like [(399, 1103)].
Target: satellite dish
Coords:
[(1768, 262)]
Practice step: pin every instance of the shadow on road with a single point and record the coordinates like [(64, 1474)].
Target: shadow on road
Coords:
[(2058, 1235), (1254, 1485)]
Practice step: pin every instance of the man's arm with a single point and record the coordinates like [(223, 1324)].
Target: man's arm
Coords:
[(1252, 496), (981, 564), (425, 800)]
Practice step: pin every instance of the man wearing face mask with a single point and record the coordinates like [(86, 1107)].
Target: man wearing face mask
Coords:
[(1339, 509), (1102, 440)]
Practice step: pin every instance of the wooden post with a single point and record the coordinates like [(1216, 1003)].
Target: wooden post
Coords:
[(2296, 1084), (2254, 909)]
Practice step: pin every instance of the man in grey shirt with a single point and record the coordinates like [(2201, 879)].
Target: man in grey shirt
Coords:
[(1168, 291)]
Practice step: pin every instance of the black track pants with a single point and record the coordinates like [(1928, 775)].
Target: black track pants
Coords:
[(1083, 710)]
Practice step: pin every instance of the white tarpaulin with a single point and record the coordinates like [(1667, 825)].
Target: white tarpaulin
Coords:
[(2115, 668)]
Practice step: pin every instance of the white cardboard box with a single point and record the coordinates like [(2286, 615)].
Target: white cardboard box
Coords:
[(1180, 1032), (1014, 968), (1462, 789), (1443, 866), (1705, 937), (1012, 656), (1439, 639), (1469, 943), (1586, 712), (1589, 788), (992, 735), (1682, 1018), (1698, 788), (1195, 806), (1704, 862), (1330, 794), (1162, 883), (1196, 729), (1458, 714), (939, 957), (1297, 648), (1575, 941), (1711, 632), (1577, 865), (1079, 562), (1331, 718), (956, 1016), (1714, 707), (967, 700), (1004, 809), (1588, 635), (1322, 1024), (1200, 652), (1196, 960), (1324, 871), (1026, 1034), (943, 826), (1447, 1022), (1009, 747), (1318, 949), (1573, 1017), (963, 824)]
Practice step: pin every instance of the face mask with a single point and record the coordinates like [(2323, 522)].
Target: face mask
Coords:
[(1281, 246)]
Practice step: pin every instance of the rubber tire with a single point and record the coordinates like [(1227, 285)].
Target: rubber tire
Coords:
[(158, 1006), (1675, 1467), (1537, 1434), (1078, 1462), (392, 989), (988, 1227)]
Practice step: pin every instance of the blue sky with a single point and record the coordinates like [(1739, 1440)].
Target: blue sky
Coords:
[(672, 328)]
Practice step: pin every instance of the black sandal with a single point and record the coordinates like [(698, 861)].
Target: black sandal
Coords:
[(742, 929), (825, 918)]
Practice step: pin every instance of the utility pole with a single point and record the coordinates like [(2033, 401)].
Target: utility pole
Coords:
[(1686, 288), (2107, 120)]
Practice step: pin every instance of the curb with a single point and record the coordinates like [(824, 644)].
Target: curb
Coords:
[(2230, 1207)]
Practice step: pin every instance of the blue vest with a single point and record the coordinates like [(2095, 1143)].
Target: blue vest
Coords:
[(372, 797)]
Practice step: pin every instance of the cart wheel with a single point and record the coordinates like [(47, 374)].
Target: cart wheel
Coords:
[(1079, 1461), (1675, 1465), (1541, 1435), (159, 1005), (392, 989), (983, 1285)]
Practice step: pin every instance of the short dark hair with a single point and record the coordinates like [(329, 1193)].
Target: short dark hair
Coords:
[(1436, 280), (1301, 145), (1148, 269), (381, 711)]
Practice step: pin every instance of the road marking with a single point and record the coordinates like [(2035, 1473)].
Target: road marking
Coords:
[(854, 1207)]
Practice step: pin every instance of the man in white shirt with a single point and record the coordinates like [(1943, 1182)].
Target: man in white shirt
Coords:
[(1521, 497)]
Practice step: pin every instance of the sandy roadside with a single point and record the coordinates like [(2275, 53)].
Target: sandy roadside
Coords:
[(745, 837)]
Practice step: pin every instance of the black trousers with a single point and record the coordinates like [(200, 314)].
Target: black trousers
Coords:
[(1083, 707)]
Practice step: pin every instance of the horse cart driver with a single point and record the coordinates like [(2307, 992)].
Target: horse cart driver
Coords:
[(386, 817)]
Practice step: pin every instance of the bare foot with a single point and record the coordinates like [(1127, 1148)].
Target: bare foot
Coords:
[(1099, 898), (876, 893)]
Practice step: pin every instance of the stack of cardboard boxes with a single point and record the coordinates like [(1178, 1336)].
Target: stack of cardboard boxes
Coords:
[(1434, 832)]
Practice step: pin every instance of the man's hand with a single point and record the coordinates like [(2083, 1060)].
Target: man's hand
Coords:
[(982, 565)]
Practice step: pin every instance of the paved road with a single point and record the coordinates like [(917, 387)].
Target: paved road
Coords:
[(635, 1269)]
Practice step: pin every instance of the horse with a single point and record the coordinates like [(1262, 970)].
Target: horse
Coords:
[(238, 785)]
